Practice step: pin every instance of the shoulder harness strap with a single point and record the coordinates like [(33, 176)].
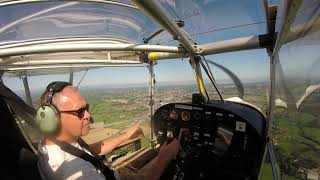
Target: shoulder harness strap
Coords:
[(95, 160)]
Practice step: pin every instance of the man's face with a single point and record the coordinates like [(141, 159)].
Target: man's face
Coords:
[(72, 123)]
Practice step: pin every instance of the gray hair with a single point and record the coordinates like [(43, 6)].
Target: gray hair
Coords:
[(56, 98)]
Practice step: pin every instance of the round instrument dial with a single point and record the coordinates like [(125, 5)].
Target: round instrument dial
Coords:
[(174, 115), (185, 115), (165, 114), (197, 115)]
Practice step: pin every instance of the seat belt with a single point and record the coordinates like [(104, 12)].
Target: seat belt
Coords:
[(95, 160)]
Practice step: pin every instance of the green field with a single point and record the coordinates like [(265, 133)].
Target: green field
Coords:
[(111, 112), (296, 137)]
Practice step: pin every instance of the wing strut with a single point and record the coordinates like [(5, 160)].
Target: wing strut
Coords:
[(1, 75), (152, 82), (195, 64), (27, 90), (71, 78)]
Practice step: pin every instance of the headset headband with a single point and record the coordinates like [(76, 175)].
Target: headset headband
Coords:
[(54, 87)]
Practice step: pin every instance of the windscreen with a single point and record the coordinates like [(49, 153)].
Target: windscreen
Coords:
[(204, 21), (241, 75)]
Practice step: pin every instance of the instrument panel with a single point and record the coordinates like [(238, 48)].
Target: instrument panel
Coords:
[(218, 139)]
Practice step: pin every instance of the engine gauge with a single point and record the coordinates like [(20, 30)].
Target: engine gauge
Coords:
[(185, 115), (174, 115), (197, 115)]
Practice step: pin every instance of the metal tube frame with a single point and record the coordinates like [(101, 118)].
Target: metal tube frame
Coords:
[(288, 17), (71, 78), (11, 3), (195, 64), (40, 49), (64, 66), (147, 39), (68, 61), (151, 100), (154, 10), (25, 135), (108, 40), (270, 12), (1, 75), (271, 105), (273, 161), (27, 90), (238, 44)]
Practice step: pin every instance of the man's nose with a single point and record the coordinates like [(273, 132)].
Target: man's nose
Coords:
[(87, 115)]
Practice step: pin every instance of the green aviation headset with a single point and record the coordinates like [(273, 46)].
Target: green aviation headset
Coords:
[(47, 117)]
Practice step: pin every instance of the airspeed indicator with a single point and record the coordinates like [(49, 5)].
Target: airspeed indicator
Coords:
[(185, 115)]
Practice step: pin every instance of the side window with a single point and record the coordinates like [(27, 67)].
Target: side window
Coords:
[(36, 86), (296, 123)]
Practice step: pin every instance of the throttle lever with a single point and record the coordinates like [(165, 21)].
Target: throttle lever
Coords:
[(169, 136)]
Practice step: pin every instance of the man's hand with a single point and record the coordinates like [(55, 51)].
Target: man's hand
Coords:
[(169, 151), (134, 131)]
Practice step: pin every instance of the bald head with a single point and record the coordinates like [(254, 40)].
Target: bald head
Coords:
[(66, 97), (72, 123)]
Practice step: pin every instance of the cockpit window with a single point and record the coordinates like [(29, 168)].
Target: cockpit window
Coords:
[(248, 76), (176, 84)]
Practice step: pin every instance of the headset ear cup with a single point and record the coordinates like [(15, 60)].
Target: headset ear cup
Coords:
[(47, 119)]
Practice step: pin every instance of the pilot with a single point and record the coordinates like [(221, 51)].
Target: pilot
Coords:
[(63, 117)]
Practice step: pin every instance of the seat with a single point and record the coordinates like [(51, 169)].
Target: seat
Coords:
[(28, 165)]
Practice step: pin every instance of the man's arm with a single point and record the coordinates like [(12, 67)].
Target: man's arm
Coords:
[(105, 146)]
